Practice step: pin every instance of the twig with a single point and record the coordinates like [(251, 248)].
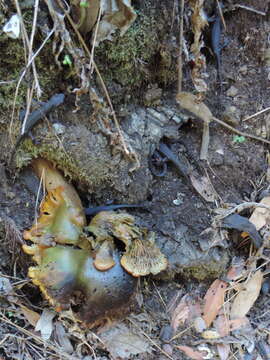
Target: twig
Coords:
[(36, 338), (242, 133), (94, 41), (180, 60), (250, 9), (205, 141), (246, 205), (256, 114), (221, 15)]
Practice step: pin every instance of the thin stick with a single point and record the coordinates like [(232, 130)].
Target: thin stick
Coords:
[(256, 114), (239, 208), (205, 141), (34, 26), (250, 9), (221, 15), (94, 41), (180, 60), (242, 133)]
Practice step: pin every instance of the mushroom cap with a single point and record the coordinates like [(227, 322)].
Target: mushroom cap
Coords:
[(143, 258), (68, 278), (104, 256), (60, 221)]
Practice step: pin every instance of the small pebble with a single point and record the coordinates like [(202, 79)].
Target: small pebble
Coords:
[(231, 115), (166, 333), (168, 349), (58, 128), (243, 70), (232, 91)]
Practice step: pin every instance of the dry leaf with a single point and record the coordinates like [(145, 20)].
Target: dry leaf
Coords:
[(203, 186), (236, 270), (63, 339), (224, 326), (180, 314), (31, 316), (223, 351), (45, 324), (117, 15), (261, 216), (247, 296), (198, 22), (192, 354), (214, 300), (122, 343)]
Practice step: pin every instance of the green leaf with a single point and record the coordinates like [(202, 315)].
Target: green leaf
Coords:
[(67, 60), (238, 139), (84, 4)]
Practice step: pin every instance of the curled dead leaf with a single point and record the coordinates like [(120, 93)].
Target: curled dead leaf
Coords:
[(245, 299), (261, 216)]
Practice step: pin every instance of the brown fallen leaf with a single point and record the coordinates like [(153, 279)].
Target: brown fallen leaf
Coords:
[(31, 316), (214, 299), (122, 342), (261, 216), (192, 354), (236, 269), (247, 296), (180, 313), (203, 186), (224, 326), (223, 351)]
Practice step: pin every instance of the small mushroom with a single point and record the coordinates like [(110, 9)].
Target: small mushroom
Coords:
[(104, 257), (68, 279), (142, 256)]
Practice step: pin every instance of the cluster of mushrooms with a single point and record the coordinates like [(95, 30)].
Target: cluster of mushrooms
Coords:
[(80, 267)]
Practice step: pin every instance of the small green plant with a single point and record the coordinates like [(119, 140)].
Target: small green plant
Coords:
[(84, 4), (238, 139), (67, 60)]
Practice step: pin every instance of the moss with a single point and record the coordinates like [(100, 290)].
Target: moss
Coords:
[(50, 149), (128, 58), (210, 269), (53, 153)]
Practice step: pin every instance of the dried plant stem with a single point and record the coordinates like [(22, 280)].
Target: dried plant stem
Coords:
[(256, 114), (180, 60), (242, 133)]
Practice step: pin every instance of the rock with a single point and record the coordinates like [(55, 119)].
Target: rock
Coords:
[(231, 115), (232, 91), (243, 70)]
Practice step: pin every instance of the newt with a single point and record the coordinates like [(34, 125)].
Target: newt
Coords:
[(159, 161)]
